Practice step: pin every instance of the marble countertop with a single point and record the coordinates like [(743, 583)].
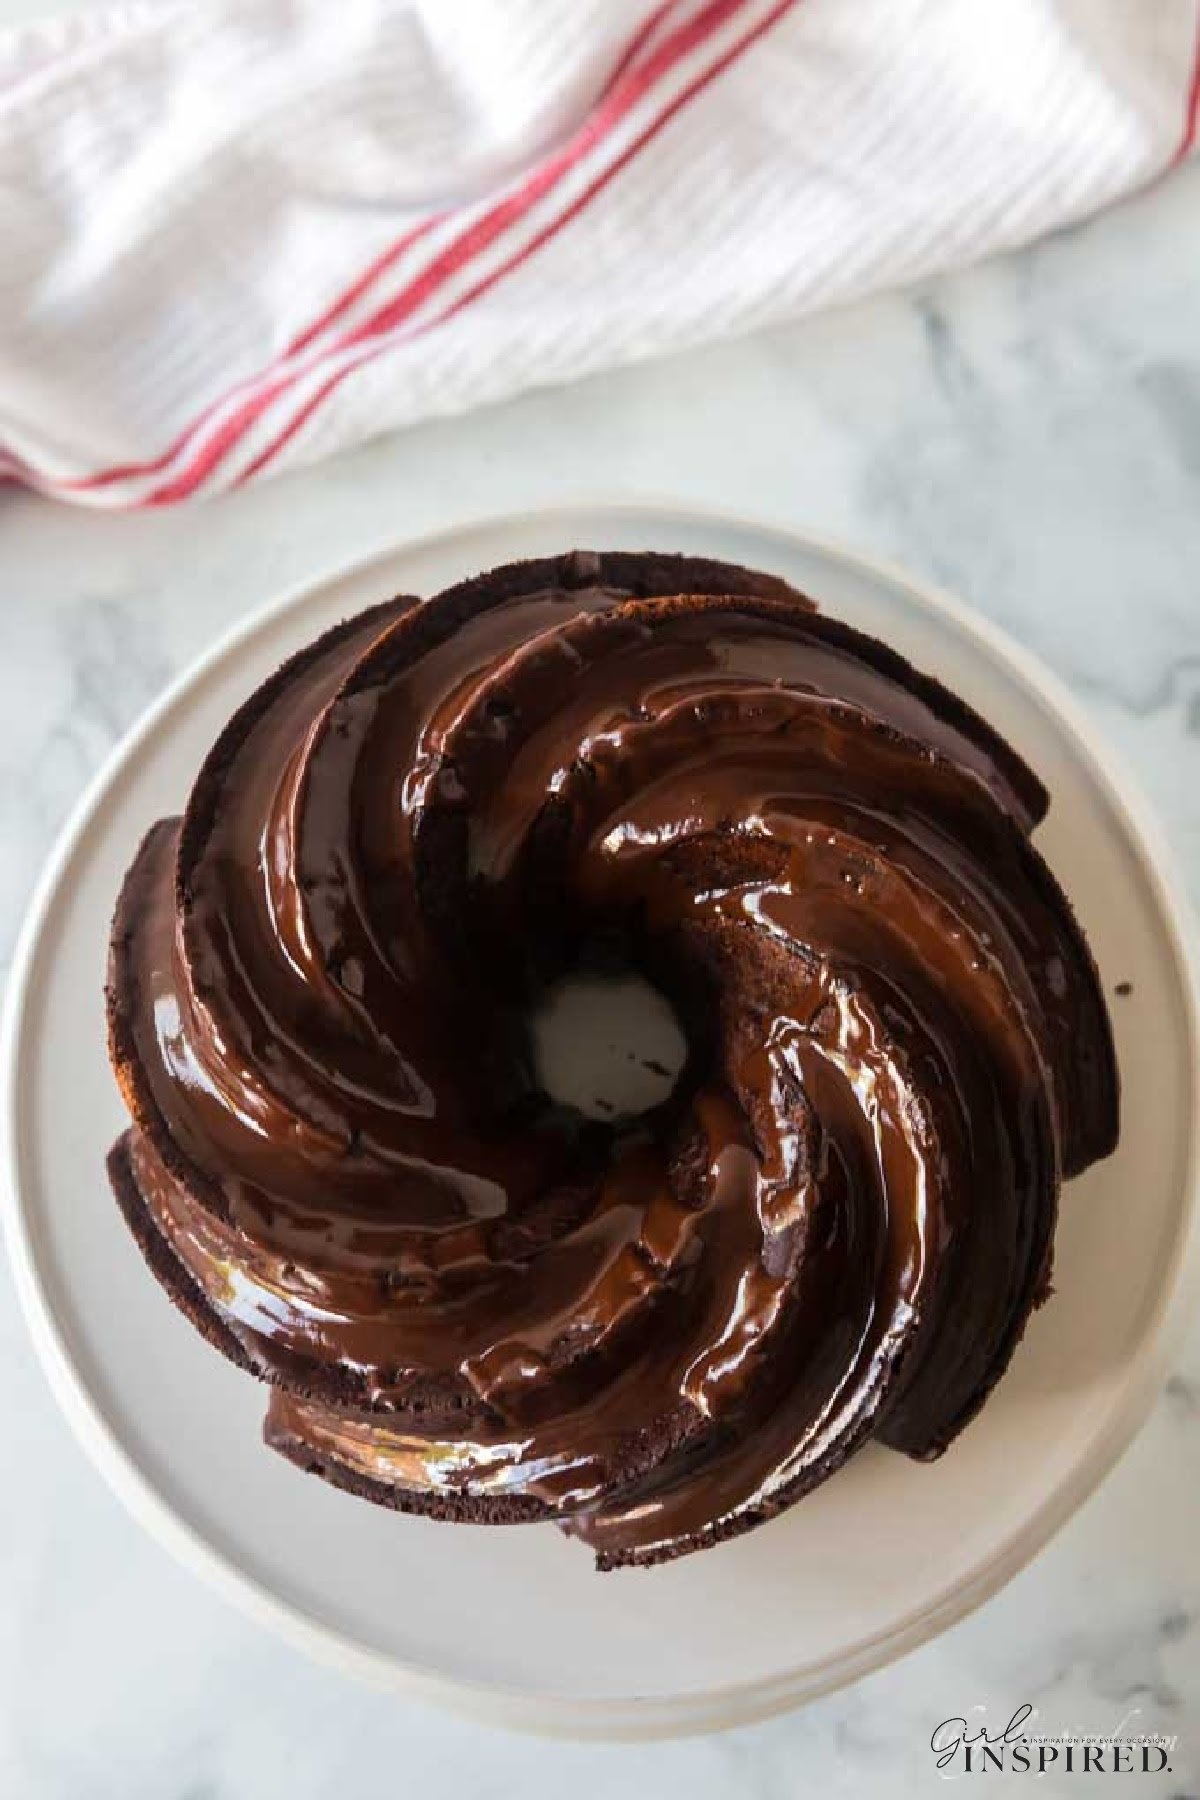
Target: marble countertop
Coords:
[(1028, 434)]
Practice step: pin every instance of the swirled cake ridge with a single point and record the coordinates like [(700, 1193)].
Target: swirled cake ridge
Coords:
[(470, 1300)]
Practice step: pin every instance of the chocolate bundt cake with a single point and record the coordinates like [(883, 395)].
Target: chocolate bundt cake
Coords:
[(473, 1301)]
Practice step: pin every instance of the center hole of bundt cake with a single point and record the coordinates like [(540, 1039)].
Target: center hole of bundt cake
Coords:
[(608, 1046)]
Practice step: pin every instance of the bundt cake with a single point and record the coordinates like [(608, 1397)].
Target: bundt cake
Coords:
[(475, 1302)]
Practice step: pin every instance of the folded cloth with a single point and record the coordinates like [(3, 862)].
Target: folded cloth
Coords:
[(241, 234)]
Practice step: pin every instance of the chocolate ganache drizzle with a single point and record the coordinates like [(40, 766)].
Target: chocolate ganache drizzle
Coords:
[(473, 1302)]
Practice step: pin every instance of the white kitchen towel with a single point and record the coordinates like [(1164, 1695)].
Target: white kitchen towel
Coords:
[(236, 235)]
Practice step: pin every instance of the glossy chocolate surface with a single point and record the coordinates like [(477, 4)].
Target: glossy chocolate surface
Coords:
[(660, 1331)]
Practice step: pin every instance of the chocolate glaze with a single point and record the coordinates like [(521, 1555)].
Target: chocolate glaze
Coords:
[(476, 1303)]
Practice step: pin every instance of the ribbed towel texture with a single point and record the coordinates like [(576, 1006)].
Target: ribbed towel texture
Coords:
[(242, 234)]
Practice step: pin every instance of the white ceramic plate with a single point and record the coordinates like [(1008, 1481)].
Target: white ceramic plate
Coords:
[(512, 1624)]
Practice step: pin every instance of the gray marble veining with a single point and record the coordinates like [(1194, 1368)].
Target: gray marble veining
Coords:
[(1027, 433)]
